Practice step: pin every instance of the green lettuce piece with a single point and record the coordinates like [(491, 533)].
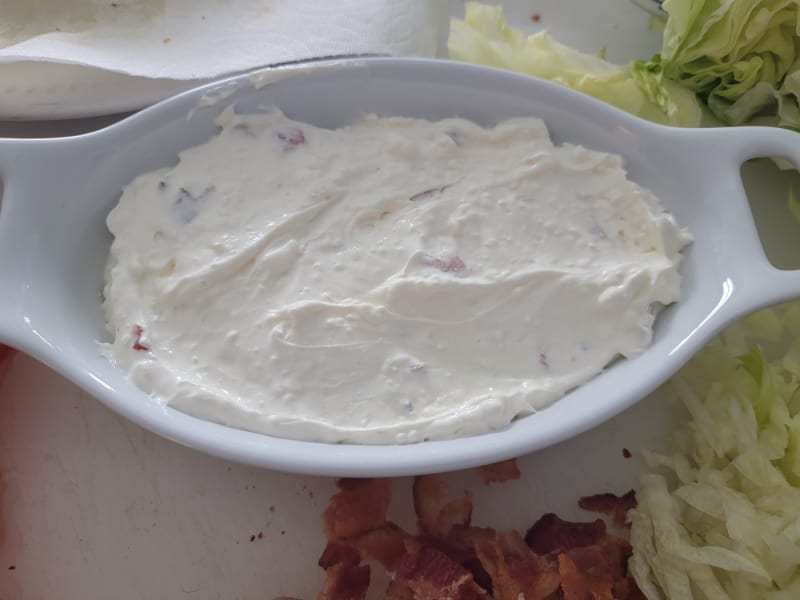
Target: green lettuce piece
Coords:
[(742, 58), (725, 523), (484, 37)]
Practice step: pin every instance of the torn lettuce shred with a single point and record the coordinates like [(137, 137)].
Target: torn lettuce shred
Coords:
[(742, 58), (484, 37), (725, 521)]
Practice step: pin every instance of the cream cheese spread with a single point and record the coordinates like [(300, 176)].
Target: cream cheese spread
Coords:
[(389, 282)]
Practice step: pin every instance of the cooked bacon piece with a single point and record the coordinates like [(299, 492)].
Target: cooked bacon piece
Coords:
[(609, 558), (614, 506), (398, 590), (338, 553), (435, 516), (451, 264), (449, 559), (552, 534), (6, 354), (138, 339), (385, 545), (576, 585), (432, 575), (516, 571), (499, 472), (345, 582), (430, 492), (626, 589), (460, 544), (358, 507), (291, 137), (466, 538)]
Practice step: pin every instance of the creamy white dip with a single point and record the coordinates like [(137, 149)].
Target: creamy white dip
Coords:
[(389, 282)]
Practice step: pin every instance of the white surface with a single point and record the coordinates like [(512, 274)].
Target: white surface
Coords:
[(94, 507), (127, 54)]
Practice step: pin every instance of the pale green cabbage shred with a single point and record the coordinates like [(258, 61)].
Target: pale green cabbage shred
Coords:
[(725, 521), (484, 37)]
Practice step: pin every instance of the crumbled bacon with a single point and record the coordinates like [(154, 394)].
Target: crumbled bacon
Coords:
[(626, 589), (543, 360), (499, 472), (385, 545), (450, 559), (345, 582), (398, 590), (138, 335), (360, 506), (608, 558), (515, 570), (338, 553), (435, 515), (463, 544), (291, 137), (552, 534), (614, 506), (432, 575), (6, 353), (452, 264), (576, 585), (187, 205)]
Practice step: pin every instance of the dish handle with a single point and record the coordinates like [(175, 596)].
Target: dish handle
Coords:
[(22, 174), (759, 284)]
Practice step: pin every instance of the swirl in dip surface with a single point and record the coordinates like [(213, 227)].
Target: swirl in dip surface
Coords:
[(389, 282)]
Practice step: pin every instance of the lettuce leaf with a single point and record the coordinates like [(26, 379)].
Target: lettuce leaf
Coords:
[(742, 57), (484, 37), (726, 522)]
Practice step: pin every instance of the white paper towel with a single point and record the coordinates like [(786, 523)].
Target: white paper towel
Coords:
[(202, 39)]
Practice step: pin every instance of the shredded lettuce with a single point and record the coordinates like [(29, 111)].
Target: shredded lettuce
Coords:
[(484, 37), (742, 57), (725, 522)]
